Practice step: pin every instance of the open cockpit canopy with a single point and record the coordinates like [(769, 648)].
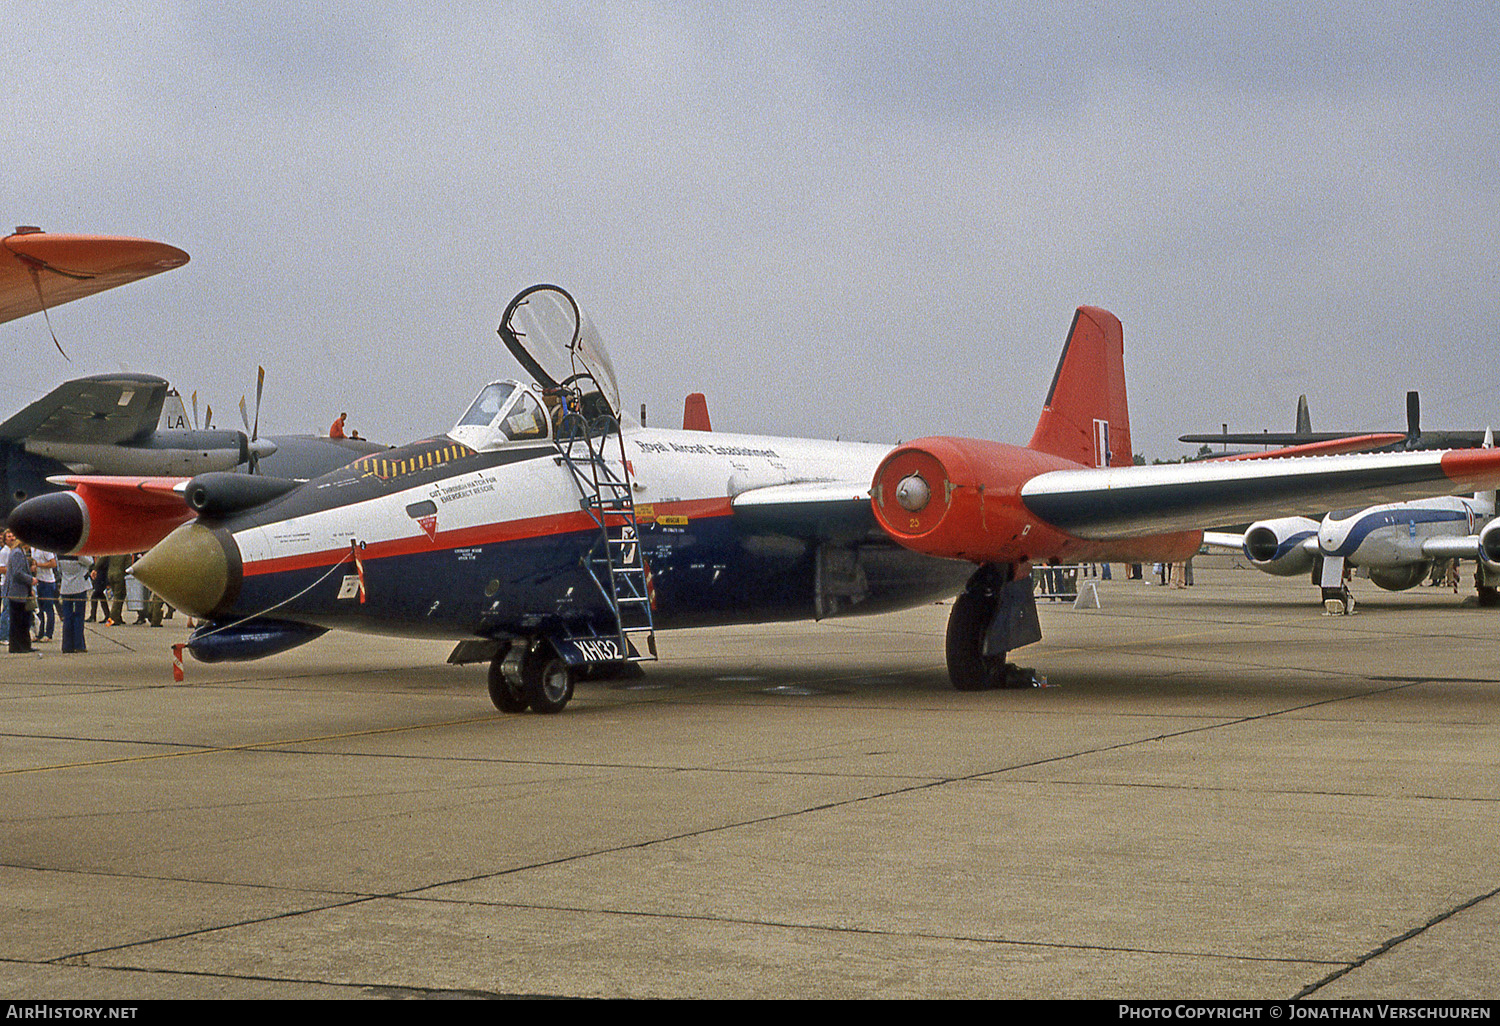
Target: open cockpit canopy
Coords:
[(557, 344)]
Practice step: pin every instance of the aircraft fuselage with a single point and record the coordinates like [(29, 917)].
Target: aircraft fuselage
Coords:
[(1392, 534), (455, 543)]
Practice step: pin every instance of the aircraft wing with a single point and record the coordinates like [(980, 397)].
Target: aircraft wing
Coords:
[(811, 509), (1466, 547), (38, 269), (105, 409), (1125, 502)]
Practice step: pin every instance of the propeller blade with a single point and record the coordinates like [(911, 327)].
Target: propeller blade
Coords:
[(208, 418), (1413, 420), (195, 409), (260, 388), (244, 417)]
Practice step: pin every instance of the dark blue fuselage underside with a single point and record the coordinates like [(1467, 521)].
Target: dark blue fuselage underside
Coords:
[(709, 572)]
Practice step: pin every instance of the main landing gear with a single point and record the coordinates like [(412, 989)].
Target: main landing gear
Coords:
[(995, 613), (1485, 587), (530, 676)]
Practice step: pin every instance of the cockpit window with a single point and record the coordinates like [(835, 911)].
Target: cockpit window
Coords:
[(505, 412), (489, 404), (525, 419)]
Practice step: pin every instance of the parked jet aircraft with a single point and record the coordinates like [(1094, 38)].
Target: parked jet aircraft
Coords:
[(1396, 543), (545, 536)]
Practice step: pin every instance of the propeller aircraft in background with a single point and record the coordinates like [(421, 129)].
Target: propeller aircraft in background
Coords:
[(1413, 438), (545, 535), (1396, 544), (90, 430)]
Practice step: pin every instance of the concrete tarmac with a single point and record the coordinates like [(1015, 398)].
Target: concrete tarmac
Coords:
[(1221, 793)]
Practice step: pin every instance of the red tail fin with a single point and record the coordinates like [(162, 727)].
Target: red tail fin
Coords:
[(1085, 417), (695, 413)]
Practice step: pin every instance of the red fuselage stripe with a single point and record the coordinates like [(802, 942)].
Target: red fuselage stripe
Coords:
[(484, 534)]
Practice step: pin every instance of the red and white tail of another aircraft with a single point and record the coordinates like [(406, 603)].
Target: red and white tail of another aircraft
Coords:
[(483, 535)]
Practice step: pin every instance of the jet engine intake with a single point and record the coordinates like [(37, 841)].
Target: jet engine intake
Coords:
[(102, 516), (1276, 546), (958, 498), (1489, 545)]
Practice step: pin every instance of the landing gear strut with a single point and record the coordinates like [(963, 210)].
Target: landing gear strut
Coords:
[(994, 614), (1484, 587)]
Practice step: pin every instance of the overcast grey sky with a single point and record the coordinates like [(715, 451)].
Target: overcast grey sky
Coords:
[(871, 220)]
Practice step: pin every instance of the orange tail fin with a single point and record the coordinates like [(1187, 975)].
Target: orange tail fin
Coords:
[(1085, 417), (695, 413)]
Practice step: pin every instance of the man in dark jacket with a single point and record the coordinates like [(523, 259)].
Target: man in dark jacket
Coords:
[(19, 581)]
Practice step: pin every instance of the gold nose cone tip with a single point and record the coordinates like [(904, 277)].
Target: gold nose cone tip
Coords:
[(188, 569)]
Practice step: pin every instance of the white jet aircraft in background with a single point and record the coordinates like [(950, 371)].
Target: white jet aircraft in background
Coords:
[(1395, 543)]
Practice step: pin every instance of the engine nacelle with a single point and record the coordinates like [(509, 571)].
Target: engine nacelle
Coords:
[(1489, 545), (1277, 546), (220, 494), (960, 498), (1399, 578), (102, 516)]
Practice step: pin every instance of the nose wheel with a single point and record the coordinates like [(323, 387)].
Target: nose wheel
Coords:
[(505, 685), (546, 680), (531, 677)]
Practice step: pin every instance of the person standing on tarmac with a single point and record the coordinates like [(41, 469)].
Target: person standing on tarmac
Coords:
[(73, 585), (46, 593), (18, 584), (98, 602), (117, 567)]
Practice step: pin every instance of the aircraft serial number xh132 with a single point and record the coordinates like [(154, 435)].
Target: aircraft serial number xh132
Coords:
[(548, 534)]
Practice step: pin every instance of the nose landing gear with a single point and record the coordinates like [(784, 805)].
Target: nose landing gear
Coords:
[(531, 676)]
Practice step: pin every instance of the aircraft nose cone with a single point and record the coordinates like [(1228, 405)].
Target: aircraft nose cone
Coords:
[(191, 569), (54, 522)]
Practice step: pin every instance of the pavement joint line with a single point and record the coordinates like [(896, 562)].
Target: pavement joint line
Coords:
[(196, 881), (375, 989), (74, 957), (873, 931), (286, 744), (1394, 943), (858, 799), (248, 746)]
